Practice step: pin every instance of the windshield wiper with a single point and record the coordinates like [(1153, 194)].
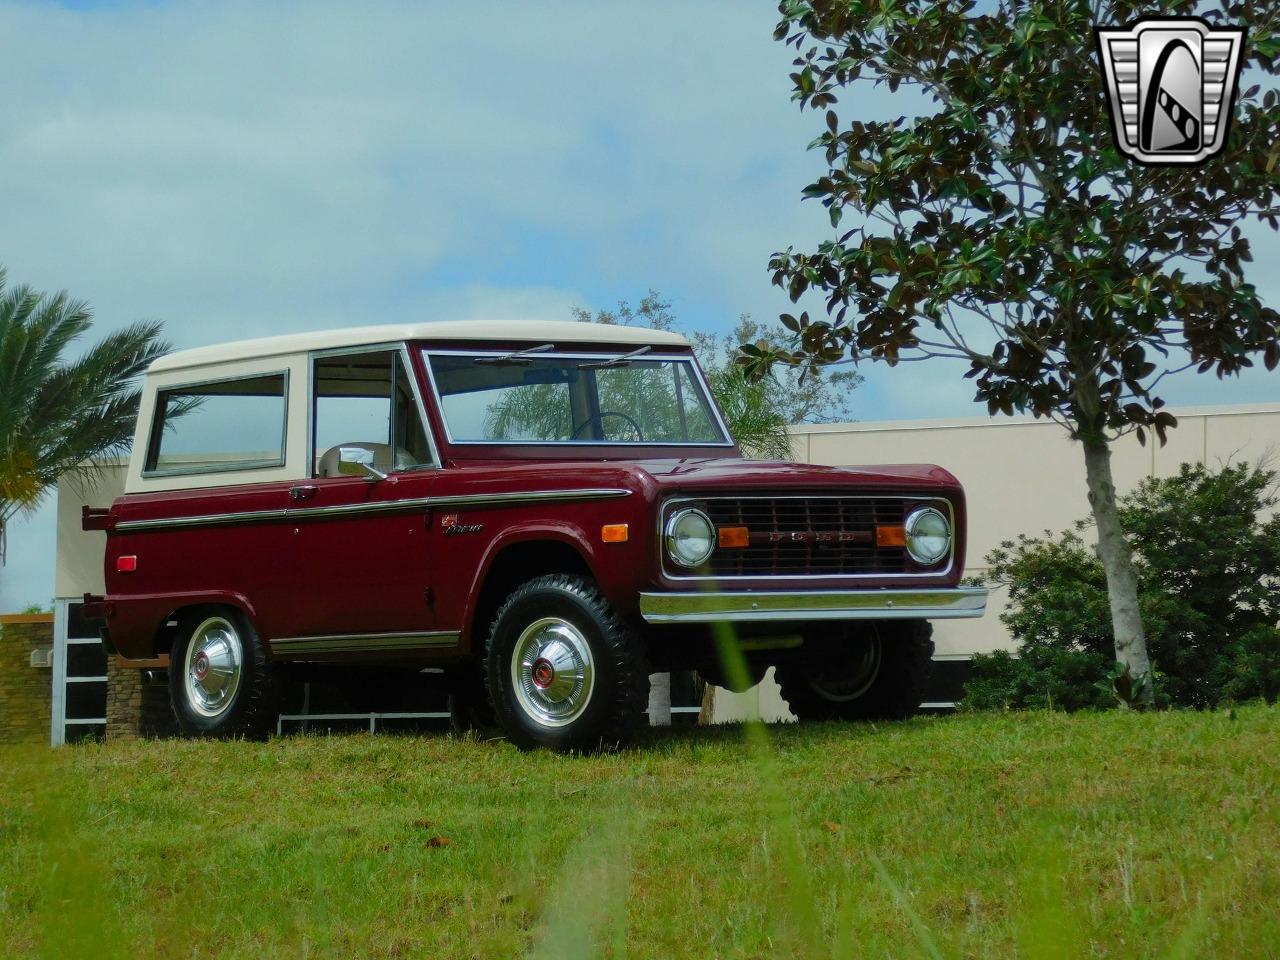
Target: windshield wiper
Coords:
[(520, 356), (621, 361)]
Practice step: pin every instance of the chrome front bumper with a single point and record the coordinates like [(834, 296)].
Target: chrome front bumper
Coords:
[(766, 605)]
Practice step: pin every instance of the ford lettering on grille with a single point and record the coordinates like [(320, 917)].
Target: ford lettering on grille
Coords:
[(796, 536)]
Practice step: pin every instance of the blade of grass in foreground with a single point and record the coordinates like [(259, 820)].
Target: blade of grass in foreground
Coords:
[(1228, 871), (1048, 926), (595, 876), (69, 881), (585, 915), (923, 936), (794, 918)]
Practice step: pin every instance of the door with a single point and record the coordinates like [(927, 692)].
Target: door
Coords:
[(221, 451), (361, 563)]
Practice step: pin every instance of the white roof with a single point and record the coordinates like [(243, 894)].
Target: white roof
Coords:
[(518, 331)]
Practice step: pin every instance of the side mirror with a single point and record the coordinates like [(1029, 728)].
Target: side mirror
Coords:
[(358, 462)]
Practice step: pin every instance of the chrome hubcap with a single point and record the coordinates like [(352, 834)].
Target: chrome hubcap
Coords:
[(850, 676), (552, 672), (213, 667)]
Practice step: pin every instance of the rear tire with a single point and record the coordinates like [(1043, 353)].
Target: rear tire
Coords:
[(878, 672), (221, 683), (562, 669)]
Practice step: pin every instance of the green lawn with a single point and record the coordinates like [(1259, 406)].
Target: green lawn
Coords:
[(1036, 835)]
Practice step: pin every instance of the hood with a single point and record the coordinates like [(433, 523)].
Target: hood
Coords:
[(663, 476), (729, 473)]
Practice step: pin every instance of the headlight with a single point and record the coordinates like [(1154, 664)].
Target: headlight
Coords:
[(928, 536), (690, 537)]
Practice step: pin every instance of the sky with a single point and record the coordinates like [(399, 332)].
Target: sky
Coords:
[(242, 168)]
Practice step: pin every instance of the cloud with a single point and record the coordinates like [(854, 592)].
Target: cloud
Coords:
[(231, 166)]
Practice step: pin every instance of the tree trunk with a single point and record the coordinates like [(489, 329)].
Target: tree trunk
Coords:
[(1117, 561), (660, 700)]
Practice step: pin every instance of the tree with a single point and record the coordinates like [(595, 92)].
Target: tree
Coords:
[(1002, 228), (757, 410), (1207, 558), (822, 396), (57, 414), (754, 413)]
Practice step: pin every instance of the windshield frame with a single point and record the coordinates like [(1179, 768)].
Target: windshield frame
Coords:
[(687, 358)]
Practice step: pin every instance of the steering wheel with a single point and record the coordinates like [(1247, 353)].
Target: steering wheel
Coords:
[(608, 413)]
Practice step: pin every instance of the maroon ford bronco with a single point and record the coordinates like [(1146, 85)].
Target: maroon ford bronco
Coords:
[(547, 511)]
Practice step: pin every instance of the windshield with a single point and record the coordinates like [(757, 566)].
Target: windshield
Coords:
[(536, 397)]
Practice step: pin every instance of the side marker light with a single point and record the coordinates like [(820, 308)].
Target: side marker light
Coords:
[(891, 536)]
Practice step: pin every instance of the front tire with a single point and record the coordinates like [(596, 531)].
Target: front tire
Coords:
[(877, 672), (563, 670), (221, 683)]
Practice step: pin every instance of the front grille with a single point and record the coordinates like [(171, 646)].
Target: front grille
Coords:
[(836, 536)]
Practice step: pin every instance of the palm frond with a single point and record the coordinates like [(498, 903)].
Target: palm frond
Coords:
[(55, 414)]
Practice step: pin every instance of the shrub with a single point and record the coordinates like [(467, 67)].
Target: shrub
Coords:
[(1208, 562)]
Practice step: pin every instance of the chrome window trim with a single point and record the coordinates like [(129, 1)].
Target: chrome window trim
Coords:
[(851, 577), (400, 347), (429, 352), (233, 466), (946, 603), (366, 642), (385, 506)]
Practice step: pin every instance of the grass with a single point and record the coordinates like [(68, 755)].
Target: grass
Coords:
[(1030, 835)]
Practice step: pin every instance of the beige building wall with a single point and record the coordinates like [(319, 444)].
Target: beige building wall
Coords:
[(78, 562)]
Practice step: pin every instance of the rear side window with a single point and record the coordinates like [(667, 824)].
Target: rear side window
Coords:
[(224, 425)]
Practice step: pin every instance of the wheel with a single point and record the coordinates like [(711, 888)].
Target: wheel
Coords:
[(563, 671), (876, 672), (220, 681)]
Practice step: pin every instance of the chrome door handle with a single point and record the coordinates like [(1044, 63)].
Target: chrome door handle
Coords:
[(303, 493)]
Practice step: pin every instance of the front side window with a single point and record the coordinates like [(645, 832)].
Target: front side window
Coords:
[(366, 401), (545, 398), (234, 424)]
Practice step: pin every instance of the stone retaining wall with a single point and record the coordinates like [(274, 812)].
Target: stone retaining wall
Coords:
[(135, 707), (25, 691)]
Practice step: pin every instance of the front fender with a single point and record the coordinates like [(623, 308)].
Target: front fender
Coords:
[(616, 568)]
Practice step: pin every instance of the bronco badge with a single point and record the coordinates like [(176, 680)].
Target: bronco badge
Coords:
[(451, 527)]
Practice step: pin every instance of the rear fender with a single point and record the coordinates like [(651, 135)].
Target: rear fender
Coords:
[(137, 622)]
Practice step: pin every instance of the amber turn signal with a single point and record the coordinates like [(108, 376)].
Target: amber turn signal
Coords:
[(891, 536), (733, 536), (614, 533)]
